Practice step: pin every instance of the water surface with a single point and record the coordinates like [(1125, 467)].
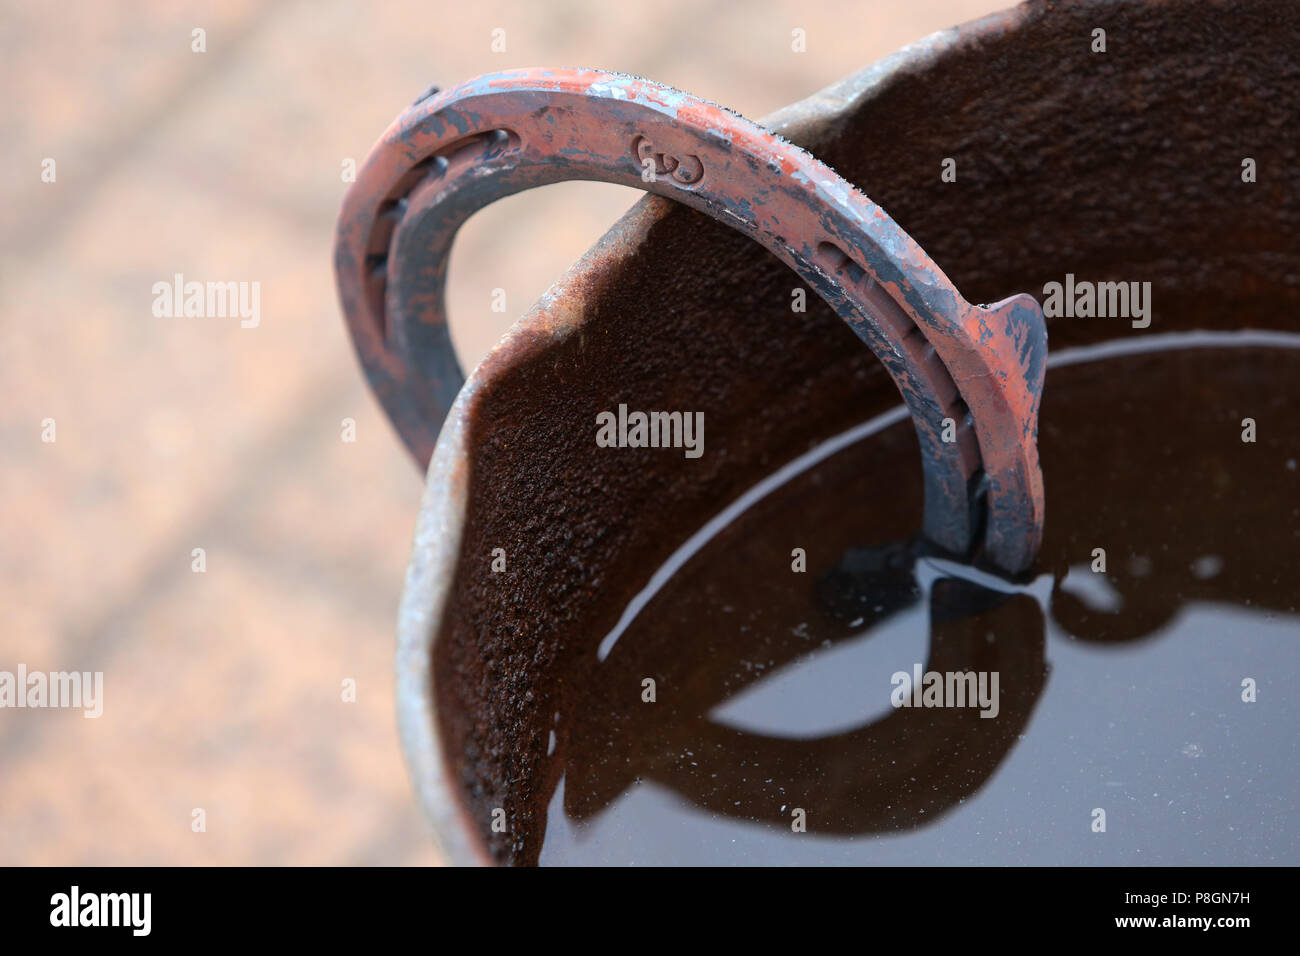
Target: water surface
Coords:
[(1119, 691)]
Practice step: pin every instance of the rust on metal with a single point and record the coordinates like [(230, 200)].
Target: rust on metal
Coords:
[(971, 375), (1100, 166)]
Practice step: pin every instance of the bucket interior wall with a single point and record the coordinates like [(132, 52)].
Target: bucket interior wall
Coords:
[(1123, 166)]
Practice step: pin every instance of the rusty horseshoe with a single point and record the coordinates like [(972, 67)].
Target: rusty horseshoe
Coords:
[(970, 375)]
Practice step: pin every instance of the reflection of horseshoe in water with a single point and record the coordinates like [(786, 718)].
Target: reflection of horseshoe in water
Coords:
[(905, 770), (895, 773), (1137, 620), (1192, 494)]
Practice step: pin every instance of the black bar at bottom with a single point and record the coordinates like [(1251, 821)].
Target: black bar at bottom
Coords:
[(333, 906)]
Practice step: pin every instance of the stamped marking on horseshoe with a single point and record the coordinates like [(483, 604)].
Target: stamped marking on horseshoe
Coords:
[(686, 170)]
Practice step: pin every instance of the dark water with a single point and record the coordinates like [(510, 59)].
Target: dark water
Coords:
[(1120, 691)]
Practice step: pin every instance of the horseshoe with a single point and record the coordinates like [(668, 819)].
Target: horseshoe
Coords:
[(970, 375)]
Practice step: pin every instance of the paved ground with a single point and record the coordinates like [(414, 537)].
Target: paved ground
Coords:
[(223, 689)]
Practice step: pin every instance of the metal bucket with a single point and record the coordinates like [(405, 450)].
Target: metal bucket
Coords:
[(1113, 166)]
